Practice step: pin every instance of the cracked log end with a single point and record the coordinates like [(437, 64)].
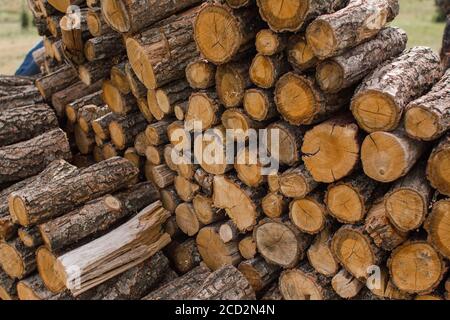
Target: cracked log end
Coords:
[(46, 262)]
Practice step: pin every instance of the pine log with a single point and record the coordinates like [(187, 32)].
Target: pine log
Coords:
[(300, 54), (259, 273), (231, 81), (419, 68), (300, 100), (297, 182), (230, 31), (320, 256), (438, 166), (347, 69), (148, 51), (247, 248), (200, 74), (102, 47), (28, 158), (205, 212), (428, 117), (184, 255), (330, 35), (35, 206), (437, 228), (187, 220), (8, 290), (75, 106), (388, 156), (274, 205), (309, 214), (259, 104), (416, 267), (16, 259), (280, 242), (345, 285), (30, 237), (266, 70), (50, 84), (124, 130), (270, 43)]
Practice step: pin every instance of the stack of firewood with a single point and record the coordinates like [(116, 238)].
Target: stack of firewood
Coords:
[(357, 209)]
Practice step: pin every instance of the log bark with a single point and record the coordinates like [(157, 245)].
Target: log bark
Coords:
[(170, 199), (428, 117), (436, 226), (96, 22), (8, 290), (438, 165), (157, 132), (33, 289), (89, 113), (419, 68), (124, 130), (288, 140), (103, 47), (54, 82), (16, 259), (162, 176), (184, 255), (63, 195), (27, 97), (101, 125), (28, 158), (259, 273), (30, 237), (94, 71)]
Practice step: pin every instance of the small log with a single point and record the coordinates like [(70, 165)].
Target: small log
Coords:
[(180, 110), (266, 70), (33, 289), (345, 285), (320, 256), (89, 113), (249, 168), (154, 155), (247, 248), (309, 214), (119, 77), (132, 155), (204, 108), (270, 43), (84, 141), (73, 108), (438, 165), (259, 104), (161, 102), (184, 255), (162, 176), (300, 54), (436, 226), (169, 151), (259, 273), (8, 288), (297, 182), (157, 132), (187, 220), (54, 82), (30, 237), (103, 47), (232, 79), (186, 189), (96, 22), (228, 231), (200, 74), (124, 130), (274, 205), (94, 71), (205, 212), (118, 103), (170, 199), (17, 260)]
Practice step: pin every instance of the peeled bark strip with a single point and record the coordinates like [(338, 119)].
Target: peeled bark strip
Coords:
[(205, 212), (428, 117), (228, 31), (23, 123), (274, 205), (259, 273), (297, 182), (345, 285), (35, 206), (187, 220), (148, 51), (239, 202), (50, 84), (270, 43), (74, 107), (281, 243), (96, 216), (259, 104), (439, 166), (407, 202), (215, 253), (247, 248), (124, 130), (320, 256), (205, 108), (116, 252), (266, 70), (388, 156), (346, 70), (231, 81), (392, 86), (131, 16), (355, 251), (28, 158), (184, 255), (332, 34), (288, 140), (8, 290), (350, 199), (299, 53), (437, 226), (416, 267), (226, 283), (309, 214), (291, 16), (300, 100), (30, 237), (16, 259), (201, 74), (380, 229), (303, 283), (183, 287)]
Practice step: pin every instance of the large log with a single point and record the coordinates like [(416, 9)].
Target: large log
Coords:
[(381, 98), (28, 158), (438, 166)]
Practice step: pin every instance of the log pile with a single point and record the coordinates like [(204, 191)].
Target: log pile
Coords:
[(99, 204)]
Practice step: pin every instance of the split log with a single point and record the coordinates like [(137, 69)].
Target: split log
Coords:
[(349, 68), (205, 212), (247, 248), (266, 70), (35, 206), (28, 158), (169, 152), (438, 166), (212, 156), (309, 214), (280, 242), (54, 82), (249, 168), (260, 105), (297, 182), (419, 68), (299, 53), (124, 130), (184, 255), (428, 117), (345, 285), (320, 256), (274, 205), (232, 79), (300, 100), (187, 220), (24, 123), (200, 74), (437, 228), (350, 199), (73, 107), (259, 273), (388, 156), (230, 31), (291, 16), (16, 259), (30, 237), (270, 43), (330, 35), (416, 267)]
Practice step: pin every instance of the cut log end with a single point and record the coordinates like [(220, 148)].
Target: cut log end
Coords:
[(11, 261), (141, 66), (116, 15), (330, 76), (345, 203), (18, 207), (321, 38), (46, 262), (438, 227), (256, 104), (262, 71), (284, 16), (299, 284), (308, 215), (406, 208), (422, 124)]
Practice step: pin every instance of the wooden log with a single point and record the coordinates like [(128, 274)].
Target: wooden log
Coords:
[(299, 53), (124, 130), (117, 102), (171, 228), (89, 113), (270, 43), (388, 156), (204, 180), (169, 151), (233, 30), (392, 99), (187, 220), (35, 206), (228, 231), (259, 273), (345, 285), (380, 229), (30, 237), (300, 100), (292, 16), (331, 35), (84, 141), (162, 101), (109, 151), (24, 123), (8, 290), (236, 4), (16, 81), (170, 199), (200, 74), (16, 259), (50, 84), (204, 108), (232, 79), (162, 176), (320, 256), (93, 71), (226, 283), (436, 226), (416, 267), (103, 47), (288, 140), (157, 132), (27, 97), (33, 289), (73, 107), (215, 253), (63, 5), (155, 154), (183, 287), (303, 283), (427, 118), (297, 182), (309, 214), (101, 125), (132, 155), (249, 168), (274, 205), (186, 189), (438, 165), (117, 253), (96, 22), (266, 70), (180, 110), (350, 199), (355, 251), (184, 255), (205, 212), (280, 242), (347, 69), (240, 124), (96, 216), (28, 158), (273, 293), (260, 105), (175, 36), (247, 248)]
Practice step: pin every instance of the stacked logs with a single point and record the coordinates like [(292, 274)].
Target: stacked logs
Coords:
[(357, 209)]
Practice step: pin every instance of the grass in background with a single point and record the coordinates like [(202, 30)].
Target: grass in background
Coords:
[(417, 18)]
